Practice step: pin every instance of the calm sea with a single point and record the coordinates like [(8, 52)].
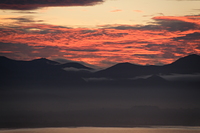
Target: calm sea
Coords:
[(106, 130)]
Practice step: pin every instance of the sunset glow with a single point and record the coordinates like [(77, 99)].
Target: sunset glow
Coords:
[(106, 34)]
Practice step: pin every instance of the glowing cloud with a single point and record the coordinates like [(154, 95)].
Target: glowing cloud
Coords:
[(189, 19), (149, 44), (5, 52)]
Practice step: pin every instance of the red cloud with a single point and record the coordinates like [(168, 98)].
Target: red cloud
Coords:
[(6, 52), (139, 45), (189, 19), (30, 4)]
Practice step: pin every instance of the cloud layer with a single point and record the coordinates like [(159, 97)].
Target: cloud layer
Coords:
[(168, 39), (30, 4)]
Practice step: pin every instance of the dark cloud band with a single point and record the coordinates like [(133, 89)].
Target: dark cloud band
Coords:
[(31, 5)]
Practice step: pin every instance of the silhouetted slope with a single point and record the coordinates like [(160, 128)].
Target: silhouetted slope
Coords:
[(109, 102), (5, 59), (119, 71), (39, 72), (75, 65), (127, 70), (190, 61), (189, 64), (155, 78), (43, 71), (8, 67), (44, 61)]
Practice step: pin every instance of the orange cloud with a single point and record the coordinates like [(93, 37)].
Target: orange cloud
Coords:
[(189, 19), (99, 46), (6, 52), (35, 52)]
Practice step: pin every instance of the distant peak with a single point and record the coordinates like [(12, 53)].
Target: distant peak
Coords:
[(193, 55), (155, 78), (3, 58), (124, 63), (189, 58), (44, 60), (75, 65), (40, 59)]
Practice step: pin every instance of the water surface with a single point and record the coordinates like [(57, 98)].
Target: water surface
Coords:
[(106, 130)]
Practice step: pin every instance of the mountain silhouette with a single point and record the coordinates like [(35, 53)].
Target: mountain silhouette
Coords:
[(75, 65), (192, 59), (44, 72), (186, 65), (38, 72), (40, 93), (43, 61), (121, 70), (156, 80)]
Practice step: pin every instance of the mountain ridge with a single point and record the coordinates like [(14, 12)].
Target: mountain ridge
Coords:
[(46, 72), (188, 64), (39, 72)]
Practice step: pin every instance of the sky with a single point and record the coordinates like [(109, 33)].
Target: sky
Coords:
[(100, 32)]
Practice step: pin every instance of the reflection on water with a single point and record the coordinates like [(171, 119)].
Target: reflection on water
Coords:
[(106, 130)]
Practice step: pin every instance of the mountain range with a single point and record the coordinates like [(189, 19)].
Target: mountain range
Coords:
[(47, 72), (38, 72), (186, 65), (45, 93)]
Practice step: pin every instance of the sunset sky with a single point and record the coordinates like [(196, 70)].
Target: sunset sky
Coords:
[(100, 32)]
